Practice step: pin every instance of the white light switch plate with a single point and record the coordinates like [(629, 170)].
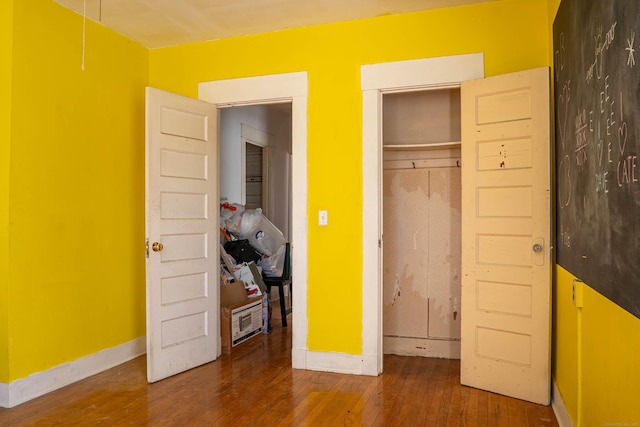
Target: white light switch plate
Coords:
[(323, 217)]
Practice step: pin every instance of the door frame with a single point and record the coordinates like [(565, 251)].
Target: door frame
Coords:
[(376, 79), (266, 142), (271, 89)]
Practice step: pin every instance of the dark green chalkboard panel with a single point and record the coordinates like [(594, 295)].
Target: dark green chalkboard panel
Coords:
[(597, 114)]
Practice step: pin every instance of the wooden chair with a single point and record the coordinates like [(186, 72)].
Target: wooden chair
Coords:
[(281, 282)]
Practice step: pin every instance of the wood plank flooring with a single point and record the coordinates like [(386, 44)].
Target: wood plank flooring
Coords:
[(255, 385)]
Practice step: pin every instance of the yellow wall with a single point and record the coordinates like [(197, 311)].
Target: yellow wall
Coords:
[(75, 186), (565, 342), (76, 284), (511, 33), (6, 61), (596, 349)]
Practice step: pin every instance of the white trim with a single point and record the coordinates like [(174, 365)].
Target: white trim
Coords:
[(40, 383), (558, 407), (403, 75), (243, 171), (256, 136), (376, 79), (254, 90), (372, 226), (291, 87), (340, 363), (422, 347), (299, 227)]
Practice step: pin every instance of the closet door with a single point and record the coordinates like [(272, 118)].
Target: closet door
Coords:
[(506, 231)]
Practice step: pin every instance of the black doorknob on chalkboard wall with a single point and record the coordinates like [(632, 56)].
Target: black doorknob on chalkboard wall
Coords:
[(537, 248)]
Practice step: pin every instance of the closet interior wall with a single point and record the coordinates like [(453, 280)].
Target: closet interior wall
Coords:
[(421, 226)]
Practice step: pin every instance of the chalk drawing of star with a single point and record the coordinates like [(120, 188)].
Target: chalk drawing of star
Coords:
[(631, 60)]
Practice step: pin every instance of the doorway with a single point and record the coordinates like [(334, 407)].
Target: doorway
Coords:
[(254, 178), (505, 128), (255, 160), (421, 193), (275, 89), (378, 79), (262, 135)]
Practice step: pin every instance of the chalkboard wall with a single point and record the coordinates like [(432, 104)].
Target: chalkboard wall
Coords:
[(597, 114)]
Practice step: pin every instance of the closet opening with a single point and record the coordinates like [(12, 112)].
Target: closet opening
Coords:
[(421, 186)]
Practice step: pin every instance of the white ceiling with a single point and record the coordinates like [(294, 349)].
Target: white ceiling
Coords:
[(160, 23)]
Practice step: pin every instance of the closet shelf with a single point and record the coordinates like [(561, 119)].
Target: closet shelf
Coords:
[(430, 146)]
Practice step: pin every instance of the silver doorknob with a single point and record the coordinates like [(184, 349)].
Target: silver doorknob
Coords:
[(537, 248)]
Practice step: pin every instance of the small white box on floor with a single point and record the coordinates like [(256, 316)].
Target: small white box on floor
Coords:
[(240, 317), (246, 321)]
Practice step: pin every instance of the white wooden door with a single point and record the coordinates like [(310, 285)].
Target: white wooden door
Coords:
[(182, 232), (506, 247)]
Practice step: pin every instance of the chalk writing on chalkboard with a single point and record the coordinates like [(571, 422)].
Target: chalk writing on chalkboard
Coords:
[(597, 127)]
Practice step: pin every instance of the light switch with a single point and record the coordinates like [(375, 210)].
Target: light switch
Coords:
[(323, 217)]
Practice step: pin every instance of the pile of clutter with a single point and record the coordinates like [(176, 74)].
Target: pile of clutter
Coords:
[(252, 247), (247, 235)]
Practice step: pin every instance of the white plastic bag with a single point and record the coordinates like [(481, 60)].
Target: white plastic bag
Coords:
[(231, 217), (273, 266), (260, 232)]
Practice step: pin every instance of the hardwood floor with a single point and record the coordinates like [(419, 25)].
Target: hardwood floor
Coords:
[(255, 385)]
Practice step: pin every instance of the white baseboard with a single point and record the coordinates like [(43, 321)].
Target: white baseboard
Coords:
[(299, 358), (365, 364), (370, 365), (41, 383), (422, 347), (559, 409), (340, 363)]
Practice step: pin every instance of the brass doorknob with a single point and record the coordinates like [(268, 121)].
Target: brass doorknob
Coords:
[(157, 247)]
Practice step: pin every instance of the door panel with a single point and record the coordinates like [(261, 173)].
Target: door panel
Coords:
[(182, 215), (505, 213)]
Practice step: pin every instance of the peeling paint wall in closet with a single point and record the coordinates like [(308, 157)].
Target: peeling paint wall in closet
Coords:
[(422, 254)]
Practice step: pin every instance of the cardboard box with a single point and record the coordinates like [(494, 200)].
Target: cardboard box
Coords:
[(246, 321), (240, 317), (232, 294)]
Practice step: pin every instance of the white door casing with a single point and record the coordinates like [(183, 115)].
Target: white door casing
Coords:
[(278, 88), (506, 231), (181, 215)]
